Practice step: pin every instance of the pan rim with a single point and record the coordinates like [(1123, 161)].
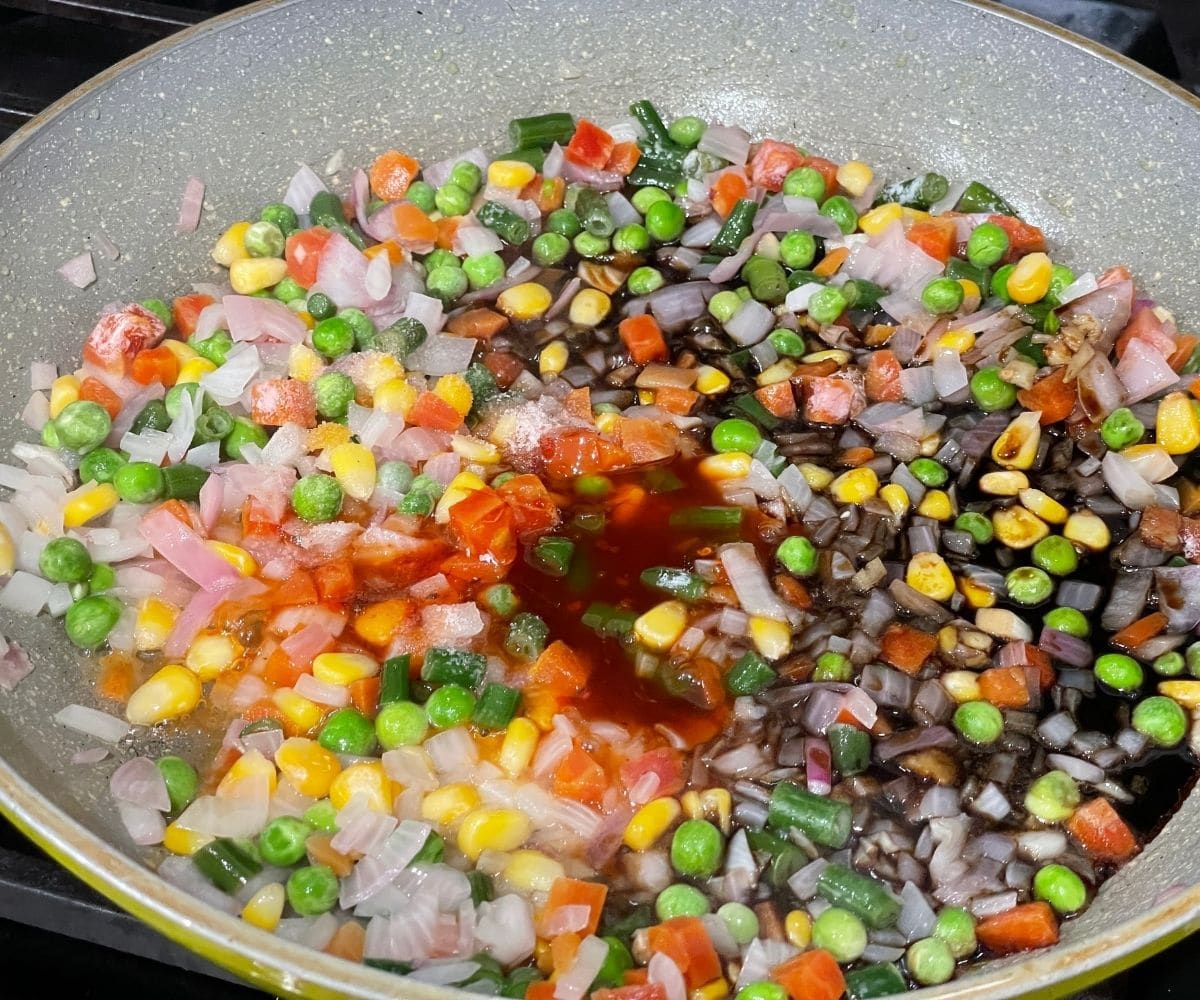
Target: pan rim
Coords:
[(232, 943)]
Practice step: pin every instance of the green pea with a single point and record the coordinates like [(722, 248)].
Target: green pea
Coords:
[(805, 182), (450, 705), (1028, 585), (89, 620), (333, 337), (321, 816), (288, 290), (1170, 664), (797, 249), (244, 432), (696, 848), (282, 841), (103, 578), (632, 238), (348, 731), (160, 309), (1161, 720), (1191, 657), (827, 305), (281, 216), (930, 472), (1055, 555), (593, 487), (1069, 620), (930, 961), (686, 130), (979, 722), (842, 212), (643, 198), (1053, 797), (724, 305), (990, 391), (320, 306), (787, 343), (312, 890), (987, 243), (1060, 277), (665, 221), (334, 393), (1061, 888), (50, 436), (550, 249), (441, 258), (833, 666), (65, 560), (100, 465), (317, 498), (644, 280), (483, 269), (467, 176), (1120, 672), (181, 780), (401, 724), (587, 245), (681, 900), (139, 482), (741, 921), (82, 425), (840, 933), (264, 239), (362, 326), (977, 525), (446, 283), (394, 476), (1121, 429), (942, 295), (956, 927), (450, 199), (736, 434), (1000, 282), (797, 555), (214, 348), (564, 222), (421, 194), (173, 400)]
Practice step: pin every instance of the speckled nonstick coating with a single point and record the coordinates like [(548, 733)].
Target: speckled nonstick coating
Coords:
[(1100, 153)]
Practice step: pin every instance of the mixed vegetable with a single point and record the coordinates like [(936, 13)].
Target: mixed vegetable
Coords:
[(645, 564)]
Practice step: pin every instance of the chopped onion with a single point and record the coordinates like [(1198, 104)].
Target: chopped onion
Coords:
[(661, 971), (1144, 372), (252, 318), (139, 781), (916, 918), (750, 583), (191, 204), (15, 665), (307, 686), (750, 324), (303, 187), (726, 141), (79, 271), (92, 722)]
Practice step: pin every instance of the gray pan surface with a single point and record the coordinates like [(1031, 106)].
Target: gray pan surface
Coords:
[(1101, 154)]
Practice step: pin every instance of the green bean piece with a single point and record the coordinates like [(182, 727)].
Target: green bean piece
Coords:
[(504, 222), (849, 747), (183, 481), (977, 197), (918, 192), (497, 705), (862, 895), (593, 213), (735, 228), (227, 863), (542, 131), (395, 680), (823, 820), (766, 278), (454, 666)]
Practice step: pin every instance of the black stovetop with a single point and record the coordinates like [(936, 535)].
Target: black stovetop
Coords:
[(58, 936)]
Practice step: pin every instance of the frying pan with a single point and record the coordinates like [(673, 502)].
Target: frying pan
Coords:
[(1102, 154)]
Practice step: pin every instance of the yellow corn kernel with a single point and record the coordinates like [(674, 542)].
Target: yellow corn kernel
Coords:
[(493, 830), (169, 693), (606, 422), (179, 840), (395, 396), (818, 478), (460, 487), (327, 435), (771, 638), (353, 467), (531, 871), (692, 807), (650, 822), (307, 766), (553, 358), (301, 714), (977, 595), (8, 553), (1044, 506), (64, 391), (510, 173), (958, 341), (936, 504), (1177, 425), (928, 574), (896, 497), (450, 803), (781, 371), (1186, 693), (304, 364), (87, 503), (589, 307), (519, 745), (1003, 484), (1018, 528), (854, 176), (182, 352), (377, 623), (855, 486), (660, 627), (455, 391), (235, 555), (475, 451), (525, 301), (379, 369), (248, 769), (911, 216), (343, 669), (1002, 624), (645, 397), (194, 370), (543, 957), (931, 444), (728, 465), (1030, 279), (797, 925), (1087, 530), (718, 989), (231, 246), (838, 357), (716, 806), (265, 907), (962, 685), (155, 619), (1017, 445), (211, 654), (256, 273), (368, 780), (878, 219), (711, 381)]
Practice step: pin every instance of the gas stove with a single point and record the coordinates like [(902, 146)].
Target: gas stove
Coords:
[(55, 930)]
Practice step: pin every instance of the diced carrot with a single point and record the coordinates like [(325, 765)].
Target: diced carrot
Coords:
[(793, 591), (559, 669), (278, 401), (778, 399), (1101, 832), (828, 400), (298, 588), (543, 989), (576, 892), (415, 231), (643, 339), (364, 695), (663, 762), (590, 146), (432, 411), (1026, 654), (1053, 395), (118, 336), (1030, 925), (335, 580), (320, 851), (581, 451), (482, 324), (685, 941), (682, 401), (281, 671), (1022, 237), (578, 403), (637, 976), (813, 369), (116, 678), (936, 237), (186, 309), (485, 527), (155, 364), (852, 458), (1185, 347), (347, 941), (826, 168), (811, 975), (1142, 630), (262, 709), (623, 158), (882, 378), (303, 253), (1145, 325), (447, 228), (831, 263), (579, 777), (395, 252), (391, 174), (563, 949), (1005, 687), (907, 648), (178, 510), (257, 520), (646, 441), (630, 991), (728, 190), (95, 391), (772, 162), (505, 366), (531, 503), (546, 192)]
